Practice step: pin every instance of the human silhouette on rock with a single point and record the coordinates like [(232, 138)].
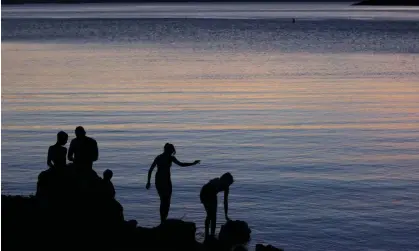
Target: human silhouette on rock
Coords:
[(83, 150), (110, 208), (163, 179), (108, 187), (50, 185), (208, 198), (57, 152)]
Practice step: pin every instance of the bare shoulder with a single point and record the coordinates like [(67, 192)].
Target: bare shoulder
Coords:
[(50, 151), (157, 158), (92, 140)]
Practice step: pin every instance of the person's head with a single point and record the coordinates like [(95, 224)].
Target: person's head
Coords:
[(80, 132), (169, 149), (62, 138), (227, 179), (107, 174)]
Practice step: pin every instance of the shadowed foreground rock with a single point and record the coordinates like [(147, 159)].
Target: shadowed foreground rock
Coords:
[(72, 210), (260, 247), (234, 233)]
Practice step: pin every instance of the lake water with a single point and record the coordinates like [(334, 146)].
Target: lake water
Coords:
[(317, 120)]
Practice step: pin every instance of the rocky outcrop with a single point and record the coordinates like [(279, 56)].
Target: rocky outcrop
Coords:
[(234, 233), (73, 210), (260, 247)]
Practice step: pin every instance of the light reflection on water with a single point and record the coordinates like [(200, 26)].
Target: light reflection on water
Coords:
[(323, 146)]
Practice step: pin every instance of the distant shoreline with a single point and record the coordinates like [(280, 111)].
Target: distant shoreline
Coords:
[(20, 2), (365, 2), (388, 3)]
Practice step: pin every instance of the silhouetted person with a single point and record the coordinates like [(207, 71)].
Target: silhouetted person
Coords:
[(163, 180), (83, 150), (110, 208), (49, 183), (208, 197), (57, 153), (108, 187)]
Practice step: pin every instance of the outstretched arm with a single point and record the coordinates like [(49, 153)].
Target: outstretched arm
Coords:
[(49, 160), (150, 171), (226, 204), (177, 162)]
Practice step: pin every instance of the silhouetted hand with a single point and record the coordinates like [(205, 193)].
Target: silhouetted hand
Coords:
[(196, 162), (148, 185)]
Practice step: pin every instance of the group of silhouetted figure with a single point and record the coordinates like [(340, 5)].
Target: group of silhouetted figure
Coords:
[(83, 151), (75, 187)]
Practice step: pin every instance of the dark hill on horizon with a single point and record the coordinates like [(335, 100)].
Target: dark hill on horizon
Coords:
[(365, 2), (7, 2), (389, 2)]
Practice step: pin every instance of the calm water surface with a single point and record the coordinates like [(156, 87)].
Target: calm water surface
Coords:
[(318, 120)]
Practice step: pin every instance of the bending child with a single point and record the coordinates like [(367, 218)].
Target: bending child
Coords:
[(208, 198)]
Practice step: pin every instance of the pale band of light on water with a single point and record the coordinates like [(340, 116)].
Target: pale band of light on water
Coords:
[(317, 120)]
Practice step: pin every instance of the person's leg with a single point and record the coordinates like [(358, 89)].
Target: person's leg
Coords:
[(165, 194), (168, 200), (213, 215), (164, 208), (160, 191), (207, 220), (204, 200)]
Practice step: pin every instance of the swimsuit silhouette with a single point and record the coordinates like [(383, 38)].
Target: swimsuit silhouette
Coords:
[(57, 152), (163, 179), (208, 198)]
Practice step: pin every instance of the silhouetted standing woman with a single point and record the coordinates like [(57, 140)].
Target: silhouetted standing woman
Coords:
[(163, 180)]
